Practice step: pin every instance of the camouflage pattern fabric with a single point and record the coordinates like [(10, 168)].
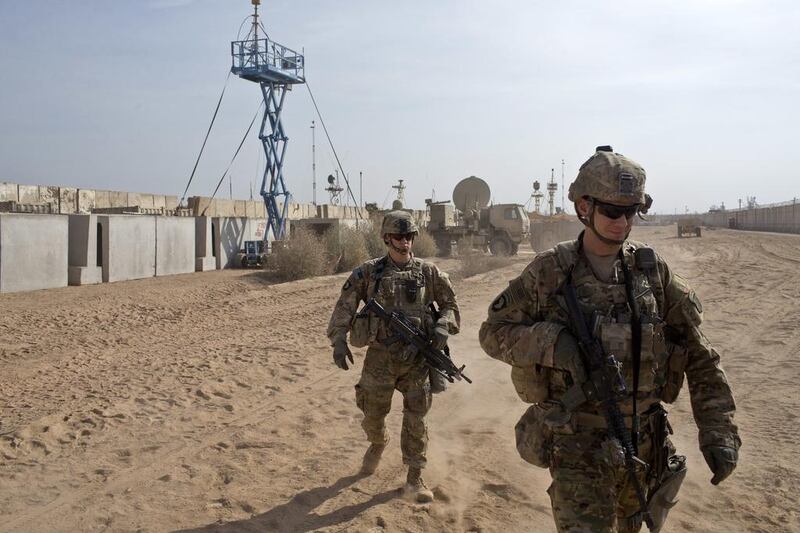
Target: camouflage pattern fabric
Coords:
[(410, 289), (609, 177), (381, 376), (524, 321)]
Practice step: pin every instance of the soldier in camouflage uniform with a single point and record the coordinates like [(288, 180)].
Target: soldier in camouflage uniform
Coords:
[(528, 327), (399, 282)]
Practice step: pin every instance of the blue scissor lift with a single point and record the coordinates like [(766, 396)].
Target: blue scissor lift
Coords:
[(275, 68)]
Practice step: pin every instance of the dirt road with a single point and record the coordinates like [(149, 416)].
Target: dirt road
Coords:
[(209, 402)]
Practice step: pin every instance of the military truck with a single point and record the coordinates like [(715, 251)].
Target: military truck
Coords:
[(689, 226), (471, 223), (252, 255)]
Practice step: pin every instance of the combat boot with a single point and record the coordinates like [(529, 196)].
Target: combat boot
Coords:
[(372, 458), (415, 486)]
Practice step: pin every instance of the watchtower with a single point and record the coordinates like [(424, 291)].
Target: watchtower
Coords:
[(275, 68)]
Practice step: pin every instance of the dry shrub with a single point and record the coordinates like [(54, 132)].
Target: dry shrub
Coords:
[(424, 244), (299, 257), (374, 241), (346, 249), (477, 263)]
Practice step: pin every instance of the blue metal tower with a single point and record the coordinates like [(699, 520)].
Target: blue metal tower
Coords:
[(275, 68)]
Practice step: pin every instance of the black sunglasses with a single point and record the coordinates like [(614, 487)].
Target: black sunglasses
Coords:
[(615, 211), (402, 236)]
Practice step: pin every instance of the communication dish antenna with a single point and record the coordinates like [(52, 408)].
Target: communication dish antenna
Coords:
[(471, 192)]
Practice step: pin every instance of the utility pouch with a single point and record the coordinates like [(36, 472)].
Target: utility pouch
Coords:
[(534, 438), (531, 383), (438, 383), (676, 366), (360, 330), (665, 496)]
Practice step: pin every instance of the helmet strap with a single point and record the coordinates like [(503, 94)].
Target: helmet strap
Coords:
[(602, 238)]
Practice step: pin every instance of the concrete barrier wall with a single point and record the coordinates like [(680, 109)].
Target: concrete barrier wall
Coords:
[(781, 218), (129, 246), (230, 234), (175, 245), (33, 252), (85, 265)]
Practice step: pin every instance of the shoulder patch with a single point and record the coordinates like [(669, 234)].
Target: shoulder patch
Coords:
[(501, 302)]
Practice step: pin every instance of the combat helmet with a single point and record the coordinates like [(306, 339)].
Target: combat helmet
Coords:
[(398, 222), (612, 178)]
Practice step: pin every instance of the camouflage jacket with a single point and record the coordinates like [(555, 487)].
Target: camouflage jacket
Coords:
[(410, 289), (525, 320)]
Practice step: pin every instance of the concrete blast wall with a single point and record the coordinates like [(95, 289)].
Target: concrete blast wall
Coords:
[(33, 252), (778, 218), (85, 250), (175, 245), (204, 245), (230, 234), (129, 246)]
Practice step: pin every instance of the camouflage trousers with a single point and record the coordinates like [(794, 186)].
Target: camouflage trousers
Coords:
[(591, 489), (381, 376)]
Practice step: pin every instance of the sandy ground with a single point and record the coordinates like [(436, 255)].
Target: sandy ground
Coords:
[(209, 402)]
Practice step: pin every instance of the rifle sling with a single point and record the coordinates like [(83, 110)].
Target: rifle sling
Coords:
[(636, 333)]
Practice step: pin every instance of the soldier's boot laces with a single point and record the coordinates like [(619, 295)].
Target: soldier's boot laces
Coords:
[(415, 486), (372, 458)]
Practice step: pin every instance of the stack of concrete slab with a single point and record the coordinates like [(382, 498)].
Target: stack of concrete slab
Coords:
[(33, 252)]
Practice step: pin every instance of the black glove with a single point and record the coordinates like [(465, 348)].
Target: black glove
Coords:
[(721, 460), (567, 356), (341, 353), (440, 335)]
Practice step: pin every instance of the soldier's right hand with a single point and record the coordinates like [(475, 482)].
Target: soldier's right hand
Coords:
[(566, 356), (341, 353)]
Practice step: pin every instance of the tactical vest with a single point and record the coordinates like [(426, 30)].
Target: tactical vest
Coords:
[(405, 291), (606, 310)]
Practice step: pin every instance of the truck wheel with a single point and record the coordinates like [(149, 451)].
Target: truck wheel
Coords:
[(697, 231), (500, 246), (514, 249)]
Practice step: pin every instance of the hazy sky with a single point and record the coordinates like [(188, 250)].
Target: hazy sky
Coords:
[(118, 94)]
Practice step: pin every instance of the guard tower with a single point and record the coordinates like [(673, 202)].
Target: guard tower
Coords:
[(537, 197), (275, 68), (552, 187)]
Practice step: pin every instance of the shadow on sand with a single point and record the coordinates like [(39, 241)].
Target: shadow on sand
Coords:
[(297, 514)]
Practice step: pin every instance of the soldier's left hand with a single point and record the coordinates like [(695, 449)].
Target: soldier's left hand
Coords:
[(721, 460), (440, 335)]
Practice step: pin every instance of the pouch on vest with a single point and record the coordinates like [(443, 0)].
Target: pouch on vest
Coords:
[(534, 437), (617, 340), (360, 330), (676, 366), (531, 382)]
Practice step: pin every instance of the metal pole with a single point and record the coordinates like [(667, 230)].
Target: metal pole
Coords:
[(360, 189), (562, 186), (313, 164)]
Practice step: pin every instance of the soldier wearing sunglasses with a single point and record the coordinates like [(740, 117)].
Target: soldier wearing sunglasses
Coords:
[(403, 283), (645, 316)]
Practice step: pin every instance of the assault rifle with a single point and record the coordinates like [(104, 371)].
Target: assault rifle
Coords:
[(438, 360), (605, 385)]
